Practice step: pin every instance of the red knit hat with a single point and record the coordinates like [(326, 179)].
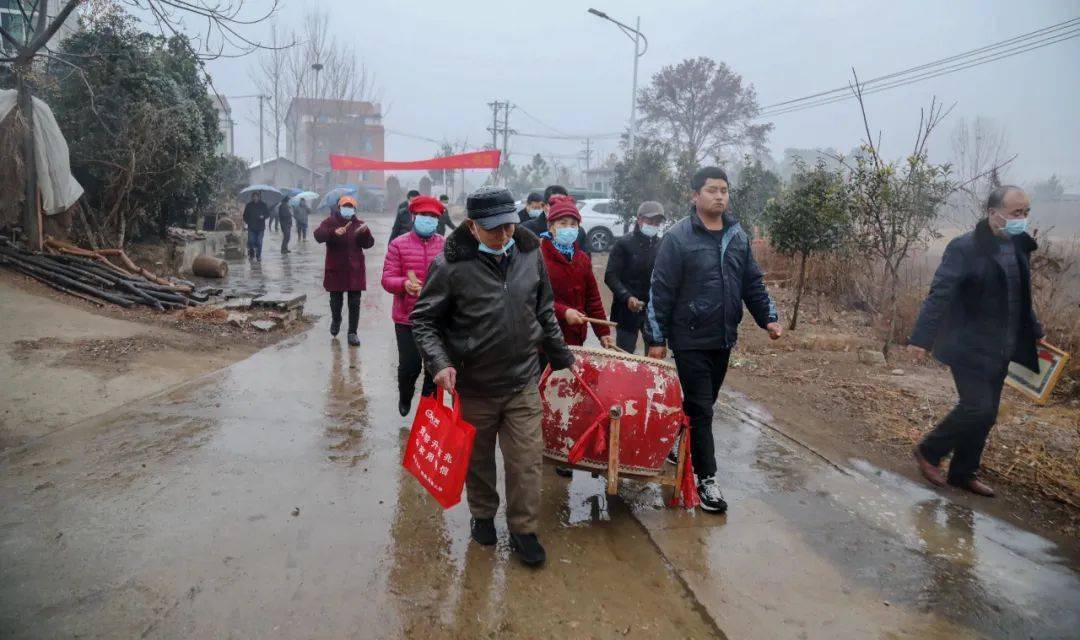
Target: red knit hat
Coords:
[(426, 204), (562, 207)]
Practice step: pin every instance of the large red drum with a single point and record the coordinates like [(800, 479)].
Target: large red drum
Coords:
[(646, 389)]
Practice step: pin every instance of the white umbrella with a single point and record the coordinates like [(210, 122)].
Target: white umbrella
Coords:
[(309, 196), (261, 189)]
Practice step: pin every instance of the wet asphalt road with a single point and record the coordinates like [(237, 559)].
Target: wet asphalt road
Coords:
[(267, 500)]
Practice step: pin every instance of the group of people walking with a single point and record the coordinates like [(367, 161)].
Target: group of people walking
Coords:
[(485, 310), (258, 215)]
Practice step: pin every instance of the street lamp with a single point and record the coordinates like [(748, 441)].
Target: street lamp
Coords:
[(316, 67), (636, 37)]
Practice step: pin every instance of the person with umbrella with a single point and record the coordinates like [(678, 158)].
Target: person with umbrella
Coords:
[(300, 214), (255, 215), (345, 237)]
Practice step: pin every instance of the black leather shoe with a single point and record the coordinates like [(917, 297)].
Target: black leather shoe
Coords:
[(354, 340), (483, 531), (527, 547), (335, 326), (403, 407)]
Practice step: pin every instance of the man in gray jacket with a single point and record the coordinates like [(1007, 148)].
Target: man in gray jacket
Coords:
[(484, 312)]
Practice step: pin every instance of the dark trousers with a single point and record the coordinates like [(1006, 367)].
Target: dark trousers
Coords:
[(286, 234), (410, 364), (701, 372), (964, 430), (254, 243), (301, 231), (336, 299), (626, 334)]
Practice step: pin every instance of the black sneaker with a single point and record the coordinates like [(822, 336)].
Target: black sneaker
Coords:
[(483, 531), (711, 498), (564, 472), (354, 340), (527, 547), (335, 326)]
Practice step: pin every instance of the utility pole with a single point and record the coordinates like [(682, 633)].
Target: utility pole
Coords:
[(262, 158), (588, 154), (316, 67), (637, 37), (505, 129)]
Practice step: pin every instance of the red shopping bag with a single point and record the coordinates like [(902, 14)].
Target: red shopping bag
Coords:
[(439, 448)]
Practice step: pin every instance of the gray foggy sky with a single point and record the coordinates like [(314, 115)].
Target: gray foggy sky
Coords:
[(438, 64)]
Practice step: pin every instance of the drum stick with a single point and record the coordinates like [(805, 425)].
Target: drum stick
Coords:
[(605, 323)]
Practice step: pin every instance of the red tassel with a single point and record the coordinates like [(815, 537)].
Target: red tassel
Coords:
[(587, 442), (687, 493)]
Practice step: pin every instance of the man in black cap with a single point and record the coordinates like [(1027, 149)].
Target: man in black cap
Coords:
[(483, 314), (629, 272)]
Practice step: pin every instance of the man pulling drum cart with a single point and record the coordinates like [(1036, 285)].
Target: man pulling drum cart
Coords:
[(704, 273)]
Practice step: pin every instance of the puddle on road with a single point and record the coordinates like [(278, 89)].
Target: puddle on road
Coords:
[(810, 549)]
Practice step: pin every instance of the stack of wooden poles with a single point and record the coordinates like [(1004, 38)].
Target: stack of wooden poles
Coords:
[(100, 277)]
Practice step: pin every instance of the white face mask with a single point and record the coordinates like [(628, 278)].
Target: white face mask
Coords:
[(649, 230), (347, 212)]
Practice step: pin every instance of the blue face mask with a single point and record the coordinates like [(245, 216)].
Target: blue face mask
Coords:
[(496, 252), (1015, 227), (425, 225), (347, 212), (535, 213), (649, 230), (566, 236)]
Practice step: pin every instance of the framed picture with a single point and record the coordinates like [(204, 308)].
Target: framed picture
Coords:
[(1039, 386)]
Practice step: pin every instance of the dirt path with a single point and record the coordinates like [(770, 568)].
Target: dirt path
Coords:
[(268, 500), (62, 364)]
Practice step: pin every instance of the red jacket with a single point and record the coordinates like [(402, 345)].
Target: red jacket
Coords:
[(574, 286), (407, 253), (344, 270)]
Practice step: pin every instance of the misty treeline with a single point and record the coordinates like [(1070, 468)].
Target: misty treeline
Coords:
[(846, 225), (133, 102)]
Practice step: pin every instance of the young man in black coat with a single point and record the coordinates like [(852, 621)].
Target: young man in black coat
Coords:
[(977, 318), (629, 273), (703, 275), (404, 220)]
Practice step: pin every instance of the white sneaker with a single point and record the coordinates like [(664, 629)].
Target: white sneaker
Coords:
[(711, 498)]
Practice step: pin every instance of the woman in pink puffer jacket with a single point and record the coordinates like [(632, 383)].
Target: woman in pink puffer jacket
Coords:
[(411, 253)]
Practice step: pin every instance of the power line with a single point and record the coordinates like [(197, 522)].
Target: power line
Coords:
[(1031, 46), (1025, 36)]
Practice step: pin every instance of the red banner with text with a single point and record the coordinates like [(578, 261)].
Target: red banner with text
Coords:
[(473, 160)]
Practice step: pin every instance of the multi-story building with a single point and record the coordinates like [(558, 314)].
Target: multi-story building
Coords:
[(316, 128), (15, 23)]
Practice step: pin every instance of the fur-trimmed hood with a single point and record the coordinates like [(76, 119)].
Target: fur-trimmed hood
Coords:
[(461, 245), (986, 242)]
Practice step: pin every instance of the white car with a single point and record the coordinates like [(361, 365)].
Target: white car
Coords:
[(601, 223)]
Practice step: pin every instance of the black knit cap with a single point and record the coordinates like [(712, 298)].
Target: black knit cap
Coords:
[(491, 207)]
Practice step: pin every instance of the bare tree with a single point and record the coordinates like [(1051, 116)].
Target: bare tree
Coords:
[(704, 107), (894, 204), (271, 77), (980, 155)]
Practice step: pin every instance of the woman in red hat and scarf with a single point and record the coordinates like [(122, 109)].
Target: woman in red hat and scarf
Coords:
[(577, 295), (346, 237), (404, 272)]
